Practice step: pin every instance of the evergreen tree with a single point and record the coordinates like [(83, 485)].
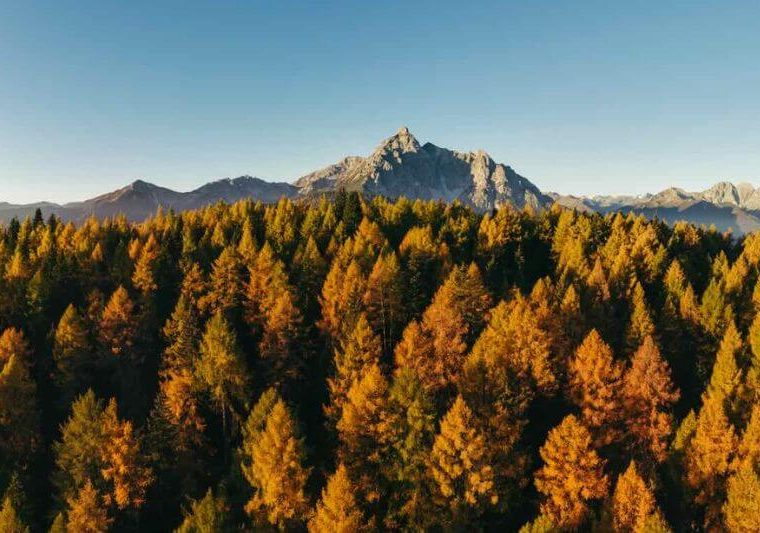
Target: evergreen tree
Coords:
[(278, 472), (595, 382), (86, 512), (572, 475), (10, 522), (337, 510), (461, 468), (207, 515), (742, 507), (632, 500), (221, 368), (73, 354), (648, 398)]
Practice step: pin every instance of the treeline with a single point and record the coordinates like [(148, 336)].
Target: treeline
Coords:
[(362, 365)]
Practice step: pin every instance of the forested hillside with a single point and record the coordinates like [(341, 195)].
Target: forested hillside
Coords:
[(363, 365)]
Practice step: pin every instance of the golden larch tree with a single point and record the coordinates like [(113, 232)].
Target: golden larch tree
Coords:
[(461, 467), (86, 513), (337, 510), (595, 384), (572, 474), (277, 468), (632, 500), (648, 398), (742, 508)]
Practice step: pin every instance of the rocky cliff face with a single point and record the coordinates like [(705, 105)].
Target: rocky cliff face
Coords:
[(400, 166)]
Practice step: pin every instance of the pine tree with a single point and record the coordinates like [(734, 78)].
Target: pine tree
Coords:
[(86, 512), (226, 284), (742, 507), (572, 475), (641, 325), (10, 522), (435, 348), (207, 515), (461, 467), (410, 432), (648, 398), (595, 382), (352, 359), (73, 354), (78, 451), (632, 500), (267, 281), (726, 375), (363, 431), (117, 330), (177, 388), (221, 368), (709, 453), (542, 524), (123, 462), (59, 524), (384, 300), (512, 349), (19, 417), (342, 299), (278, 471), (281, 346), (749, 444), (337, 511)]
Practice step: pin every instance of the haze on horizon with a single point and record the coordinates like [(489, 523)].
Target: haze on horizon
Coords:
[(599, 98)]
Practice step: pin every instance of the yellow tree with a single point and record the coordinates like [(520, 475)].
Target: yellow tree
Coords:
[(337, 510), (363, 431), (641, 325), (73, 355), (342, 299), (10, 522), (352, 359), (86, 513), (221, 368), (648, 397), (384, 300), (461, 467), (278, 472), (117, 330), (709, 454), (282, 339), (572, 475), (123, 462), (632, 500), (595, 383), (19, 418), (742, 508), (749, 444)]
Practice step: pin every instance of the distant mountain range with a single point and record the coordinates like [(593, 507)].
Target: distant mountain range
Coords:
[(724, 205), (400, 166)]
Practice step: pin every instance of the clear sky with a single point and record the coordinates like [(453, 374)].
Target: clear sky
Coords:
[(580, 97)]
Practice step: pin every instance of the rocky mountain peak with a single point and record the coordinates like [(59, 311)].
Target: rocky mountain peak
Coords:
[(402, 141)]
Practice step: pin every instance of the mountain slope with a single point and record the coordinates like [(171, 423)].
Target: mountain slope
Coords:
[(400, 166), (727, 206)]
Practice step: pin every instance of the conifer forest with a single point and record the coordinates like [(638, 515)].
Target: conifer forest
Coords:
[(356, 364)]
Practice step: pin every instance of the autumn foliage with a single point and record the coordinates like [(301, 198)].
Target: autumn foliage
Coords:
[(360, 364)]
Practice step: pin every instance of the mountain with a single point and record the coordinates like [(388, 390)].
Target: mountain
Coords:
[(400, 166), (724, 205), (140, 199)]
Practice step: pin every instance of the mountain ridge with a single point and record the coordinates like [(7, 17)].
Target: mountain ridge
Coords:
[(399, 166), (402, 166)]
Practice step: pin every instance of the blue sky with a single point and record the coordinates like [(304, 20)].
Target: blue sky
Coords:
[(580, 97)]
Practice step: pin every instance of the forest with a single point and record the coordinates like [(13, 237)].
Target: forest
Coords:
[(360, 364)]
